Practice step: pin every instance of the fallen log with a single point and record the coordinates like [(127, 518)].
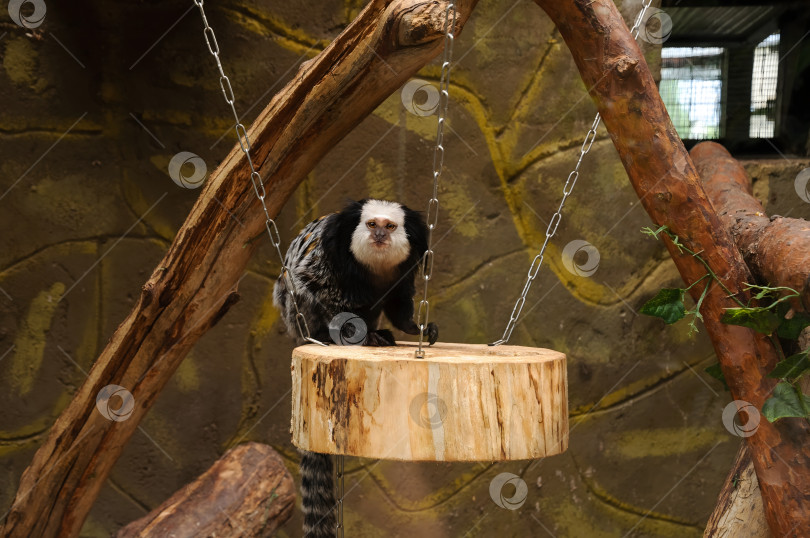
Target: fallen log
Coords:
[(247, 492), (776, 249), (662, 174), (195, 283)]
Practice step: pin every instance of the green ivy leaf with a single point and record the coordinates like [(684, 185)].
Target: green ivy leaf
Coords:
[(715, 371), (759, 318), (793, 367), (791, 328), (667, 305), (785, 403)]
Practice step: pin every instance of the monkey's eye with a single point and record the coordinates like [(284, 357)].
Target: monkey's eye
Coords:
[(371, 224), (390, 226)]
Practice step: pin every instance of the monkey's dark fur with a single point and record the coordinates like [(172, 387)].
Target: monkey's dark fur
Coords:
[(329, 279)]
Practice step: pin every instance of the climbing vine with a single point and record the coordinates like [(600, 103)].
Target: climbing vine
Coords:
[(767, 312)]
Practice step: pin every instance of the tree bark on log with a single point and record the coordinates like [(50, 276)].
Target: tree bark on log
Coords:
[(739, 512), (195, 283), (776, 249), (247, 492), (660, 170)]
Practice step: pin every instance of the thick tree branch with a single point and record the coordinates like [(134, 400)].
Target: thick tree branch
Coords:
[(776, 249), (613, 68), (195, 283)]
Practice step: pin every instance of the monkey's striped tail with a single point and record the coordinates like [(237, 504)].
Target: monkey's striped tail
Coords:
[(317, 495)]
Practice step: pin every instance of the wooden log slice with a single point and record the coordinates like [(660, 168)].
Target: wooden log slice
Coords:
[(462, 402)]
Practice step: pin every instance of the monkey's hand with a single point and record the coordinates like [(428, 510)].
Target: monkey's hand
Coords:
[(381, 337), (432, 333)]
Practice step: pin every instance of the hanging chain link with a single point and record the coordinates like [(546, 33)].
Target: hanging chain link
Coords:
[(255, 178), (432, 219), (551, 229), (339, 479), (640, 18)]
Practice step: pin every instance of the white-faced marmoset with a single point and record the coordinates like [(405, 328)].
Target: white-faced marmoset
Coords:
[(362, 260)]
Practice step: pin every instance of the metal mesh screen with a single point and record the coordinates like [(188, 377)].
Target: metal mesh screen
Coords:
[(763, 88), (692, 90)]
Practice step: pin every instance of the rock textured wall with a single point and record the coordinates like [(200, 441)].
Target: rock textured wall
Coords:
[(99, 99)]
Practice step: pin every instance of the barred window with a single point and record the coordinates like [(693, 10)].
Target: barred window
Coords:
[(763, 88), (692, 90)]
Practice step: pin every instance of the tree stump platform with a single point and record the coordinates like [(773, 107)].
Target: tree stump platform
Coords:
[(462, 402)]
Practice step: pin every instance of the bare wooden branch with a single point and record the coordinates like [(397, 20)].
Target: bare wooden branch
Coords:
[(247, 492), (195, 283), (777, 249), (739, 512), (660, 170)]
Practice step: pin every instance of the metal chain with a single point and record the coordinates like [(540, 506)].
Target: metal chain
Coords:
[(551, 229), (340, 475), (450, 15), (255, 178), (640, 18)]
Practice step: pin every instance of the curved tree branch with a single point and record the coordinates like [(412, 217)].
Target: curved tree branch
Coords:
[(660, 170), (777, 249), (195, 283)]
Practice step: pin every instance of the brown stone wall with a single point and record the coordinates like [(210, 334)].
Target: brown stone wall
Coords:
[(98, 100)]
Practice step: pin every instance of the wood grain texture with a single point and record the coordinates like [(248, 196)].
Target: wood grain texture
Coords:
[(195, 284), (739, 512), (463, 402), (247, 492), (667, 183)]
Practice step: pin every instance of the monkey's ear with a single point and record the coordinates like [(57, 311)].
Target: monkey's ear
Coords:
[(416, 230), (351, 213), (337, 234)]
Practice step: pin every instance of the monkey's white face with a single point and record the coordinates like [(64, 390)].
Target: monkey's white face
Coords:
[(379, 242)]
